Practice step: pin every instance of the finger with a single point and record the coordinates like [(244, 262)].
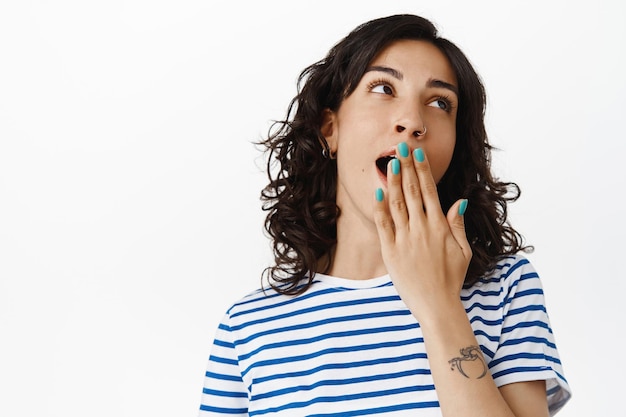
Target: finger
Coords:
[(456, 222), (428, 188), (383, 221), (410, 184), (396, 202)]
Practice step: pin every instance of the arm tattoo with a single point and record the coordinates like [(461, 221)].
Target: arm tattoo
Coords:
[(469, 354)]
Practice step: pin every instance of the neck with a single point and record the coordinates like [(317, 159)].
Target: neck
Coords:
[(357, 254)]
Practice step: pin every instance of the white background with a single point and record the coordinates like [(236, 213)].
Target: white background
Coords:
[(129, 210)]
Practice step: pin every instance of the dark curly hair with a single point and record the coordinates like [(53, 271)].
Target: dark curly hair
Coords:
[(300, 197)]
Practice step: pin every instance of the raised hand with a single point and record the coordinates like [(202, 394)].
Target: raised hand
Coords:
[(426, 252)]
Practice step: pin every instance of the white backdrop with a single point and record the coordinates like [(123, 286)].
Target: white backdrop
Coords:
[(129, 210)]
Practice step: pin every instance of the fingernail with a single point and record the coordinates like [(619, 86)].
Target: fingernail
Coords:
[(403, 148), (462, 207), (395, 166), (419, 155), (379, 194)]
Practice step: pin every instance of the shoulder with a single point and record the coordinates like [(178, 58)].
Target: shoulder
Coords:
[(510, 266), (266, 304), (254, 300), (510, 273), (513, 277)]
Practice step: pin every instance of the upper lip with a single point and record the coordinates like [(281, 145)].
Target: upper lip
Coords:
[(388, 152)]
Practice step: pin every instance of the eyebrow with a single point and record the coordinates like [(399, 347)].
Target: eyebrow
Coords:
[(393, 72), (433, 83), (443, 84)]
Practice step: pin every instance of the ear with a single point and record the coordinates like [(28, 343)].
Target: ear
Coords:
[(328, 128)]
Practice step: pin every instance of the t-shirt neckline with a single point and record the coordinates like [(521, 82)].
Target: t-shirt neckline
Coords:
[(354, 284)]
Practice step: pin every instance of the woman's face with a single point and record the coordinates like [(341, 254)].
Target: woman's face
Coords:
[(408, 87)]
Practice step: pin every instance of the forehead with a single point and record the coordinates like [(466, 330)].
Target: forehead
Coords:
[(416, 57)]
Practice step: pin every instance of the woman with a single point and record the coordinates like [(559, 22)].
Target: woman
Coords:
[(397, 288)]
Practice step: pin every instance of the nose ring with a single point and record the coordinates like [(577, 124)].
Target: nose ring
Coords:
[(420, 132)]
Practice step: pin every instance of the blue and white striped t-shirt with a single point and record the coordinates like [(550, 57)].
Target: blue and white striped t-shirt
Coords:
[(352, 348)]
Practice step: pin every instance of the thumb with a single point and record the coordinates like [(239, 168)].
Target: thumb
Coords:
[(456, 221)]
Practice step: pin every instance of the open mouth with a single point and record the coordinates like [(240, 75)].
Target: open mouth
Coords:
[(383, 162)]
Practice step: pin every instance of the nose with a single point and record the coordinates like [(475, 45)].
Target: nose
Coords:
[(415, 133), (411, 122)]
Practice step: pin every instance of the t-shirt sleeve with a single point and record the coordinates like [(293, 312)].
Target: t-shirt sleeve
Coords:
[(527, 349), (224, 392)]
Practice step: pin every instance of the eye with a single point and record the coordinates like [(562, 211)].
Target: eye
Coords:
[(442, 103), (381, 87)]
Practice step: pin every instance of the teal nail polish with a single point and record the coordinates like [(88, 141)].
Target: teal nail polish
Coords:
[(395, 166), (379, 194), (403, 148), (419, 155), (462, 207)]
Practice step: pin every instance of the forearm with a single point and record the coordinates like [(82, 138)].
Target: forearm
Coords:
[(462, 380), (427, 255)]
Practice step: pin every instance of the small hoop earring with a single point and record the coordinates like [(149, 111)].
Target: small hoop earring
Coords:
[(326, 152)]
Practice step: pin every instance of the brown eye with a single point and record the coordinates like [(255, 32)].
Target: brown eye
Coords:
[(441, 103), (382, 89)]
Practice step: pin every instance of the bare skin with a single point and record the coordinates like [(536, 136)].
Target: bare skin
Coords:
[(405, 233)]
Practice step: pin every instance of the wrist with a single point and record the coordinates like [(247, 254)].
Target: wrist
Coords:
[(440, 313)]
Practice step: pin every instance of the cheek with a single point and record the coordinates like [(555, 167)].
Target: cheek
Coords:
[(440, 156), (361, 126)]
